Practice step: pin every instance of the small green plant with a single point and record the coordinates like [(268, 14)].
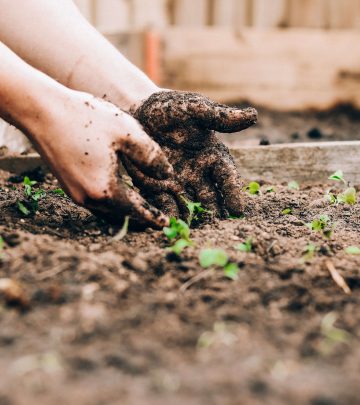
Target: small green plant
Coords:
[(60, 192), (286, 211), (293, 185), (270, 189), (32, 197), (309, 252), (179, 233), (195, 210), (337, 176), (347, 197), (246, 246), (253, 188), (219, 258), (322, 225), (235, 217), (352, 250)]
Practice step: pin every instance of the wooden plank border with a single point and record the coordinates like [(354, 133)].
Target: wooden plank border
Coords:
[(303, 162)]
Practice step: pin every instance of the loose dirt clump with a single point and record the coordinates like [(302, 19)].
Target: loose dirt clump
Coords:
[(108, 321)]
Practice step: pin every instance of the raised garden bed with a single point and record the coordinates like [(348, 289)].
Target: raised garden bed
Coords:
[(97, 320)]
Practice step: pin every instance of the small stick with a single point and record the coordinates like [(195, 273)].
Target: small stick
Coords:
[(337, 277), (195, 279)]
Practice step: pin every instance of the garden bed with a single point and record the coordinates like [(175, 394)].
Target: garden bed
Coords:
[(98, 320)]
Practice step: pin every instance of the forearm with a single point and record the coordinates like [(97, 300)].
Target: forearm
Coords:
[(24, 91), (54, 37)]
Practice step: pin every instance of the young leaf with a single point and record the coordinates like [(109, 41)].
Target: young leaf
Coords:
[(253, 188), (234, 217), (352, 250), (124, 229), (293, 185), (213, 257), (177, 228), (195, 210), (23, 209), (330, 197), (60, 192), (337, 176), (179, 246), (245, 247), (231, 271), (309, 252), (286, 211), (348, 196), (270, 189)]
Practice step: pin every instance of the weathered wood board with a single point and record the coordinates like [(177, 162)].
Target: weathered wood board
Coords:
[(291, 69), (303, 162)]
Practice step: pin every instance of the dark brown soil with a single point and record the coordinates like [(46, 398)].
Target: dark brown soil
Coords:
[(341, 123), (108, 322)]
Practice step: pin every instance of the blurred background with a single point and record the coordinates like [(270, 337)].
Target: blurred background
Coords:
[(297, 61)]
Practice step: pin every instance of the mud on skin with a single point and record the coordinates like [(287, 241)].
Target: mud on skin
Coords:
[(184, 125)]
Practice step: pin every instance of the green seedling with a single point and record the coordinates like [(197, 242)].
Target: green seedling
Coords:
[(322, 225), (293, 185), (330, 197), (124, 229), (347, 197), (245, 247), (270, 189), (195, 210), (352, 250), (59, 191), (235, 217), (32, 197), (253, 188), (331, 334), (309, 252), (337, 176), (179, 233), (177, 229), (219, 258), (286, 211)]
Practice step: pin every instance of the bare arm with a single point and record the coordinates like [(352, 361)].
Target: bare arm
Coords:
[(54, 37)]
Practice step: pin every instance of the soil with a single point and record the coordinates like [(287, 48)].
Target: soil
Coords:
[(101, 321), (342, 123)]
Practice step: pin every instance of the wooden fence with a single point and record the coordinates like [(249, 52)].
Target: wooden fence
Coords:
[(123, 15)]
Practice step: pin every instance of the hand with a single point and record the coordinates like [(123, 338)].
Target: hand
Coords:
[(183, 124), (81, 139)]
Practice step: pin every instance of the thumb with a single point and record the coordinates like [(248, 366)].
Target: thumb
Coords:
[(229, 119)]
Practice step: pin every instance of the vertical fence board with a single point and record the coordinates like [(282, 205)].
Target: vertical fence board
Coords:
[(191, 13), (308, 13), (344, 14), (269, 14), (224, 12), (149, 14)]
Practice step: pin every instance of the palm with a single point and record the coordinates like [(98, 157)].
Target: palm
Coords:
[(183, 124)]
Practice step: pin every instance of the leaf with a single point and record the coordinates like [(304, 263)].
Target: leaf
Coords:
[(286, 211), (231, 271), (235, 217), (38, 194), (348, 196), (22, 208), (293, 185), (179, 246), (194, 209), (254, 188), (28, 182), (337, 176), (60, 192), (270, 189), (213, 257), (124, 229), (330, 197), (309, 252), (245, 247), (177, 228), (352, 250)]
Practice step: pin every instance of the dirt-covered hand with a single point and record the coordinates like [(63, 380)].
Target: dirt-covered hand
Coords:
[(184, 125), (83, 139)]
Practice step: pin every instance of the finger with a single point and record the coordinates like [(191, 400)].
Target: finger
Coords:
[(145, 153), (208, 196), (226, 119), (122, 201), (229, 183), (166, 202)]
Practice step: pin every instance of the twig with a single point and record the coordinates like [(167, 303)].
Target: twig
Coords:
[(337, 277), (195, 279)]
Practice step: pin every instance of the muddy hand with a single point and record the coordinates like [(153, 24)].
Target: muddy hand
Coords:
[(184, 124), (82, 139)]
